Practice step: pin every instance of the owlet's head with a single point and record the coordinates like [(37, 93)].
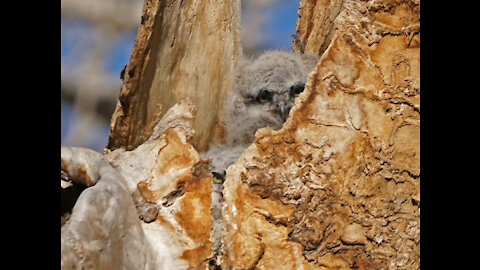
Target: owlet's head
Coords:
[(271, 83)]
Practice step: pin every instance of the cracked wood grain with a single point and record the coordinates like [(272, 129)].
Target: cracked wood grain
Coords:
[(353, 130), (175, 44)]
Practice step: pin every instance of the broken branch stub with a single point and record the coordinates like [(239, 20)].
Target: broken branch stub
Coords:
[(158, 193), (103, 231)]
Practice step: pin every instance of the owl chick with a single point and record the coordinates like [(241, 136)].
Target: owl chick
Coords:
[(263, 93)]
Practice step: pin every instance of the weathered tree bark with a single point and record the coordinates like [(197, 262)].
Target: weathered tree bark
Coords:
[(183, 49), (337, 187)]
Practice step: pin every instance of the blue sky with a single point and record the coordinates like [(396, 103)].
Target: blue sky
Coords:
[(282, 25), (120, 54)]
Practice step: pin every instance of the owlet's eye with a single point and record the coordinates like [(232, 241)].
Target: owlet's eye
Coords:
[(295, 90), (264, 96)]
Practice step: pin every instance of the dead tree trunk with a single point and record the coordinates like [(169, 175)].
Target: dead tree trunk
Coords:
[(183, 49), (337, 187)]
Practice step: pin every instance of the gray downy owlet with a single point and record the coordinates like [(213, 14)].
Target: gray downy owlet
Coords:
[(263, 93)]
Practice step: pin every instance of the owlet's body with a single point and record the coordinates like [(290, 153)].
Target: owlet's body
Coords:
[(263, 93)]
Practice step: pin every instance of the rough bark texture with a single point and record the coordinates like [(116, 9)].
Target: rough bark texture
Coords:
[(315, 25), (183, 49), (338, 186)]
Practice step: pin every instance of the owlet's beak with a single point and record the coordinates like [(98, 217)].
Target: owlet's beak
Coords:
[(282, 110)]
